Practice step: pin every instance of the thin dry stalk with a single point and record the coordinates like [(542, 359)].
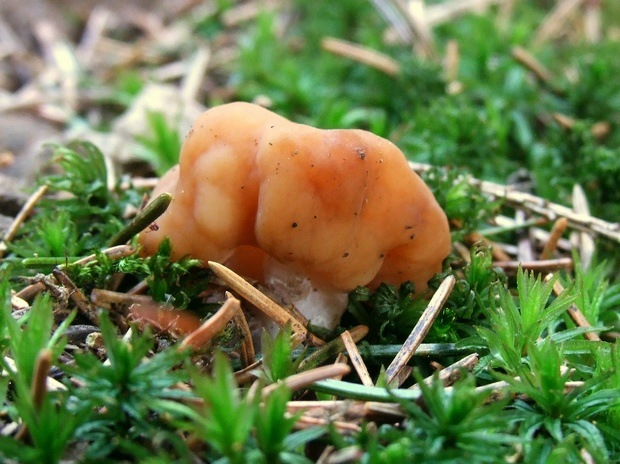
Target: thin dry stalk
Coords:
[(527, 60), (118, 252), (421, 329), (374, 410), (39, 381), (332, 348), (345, 455), (540, 206), (574, 312), (343, 428), (356, 359), (327, 452), (505, 14), (538, 266), (592, 21), (108, 298), (415, 14), (18, 304), (395, 19), (552, 210), (115, 252), (248, 373), (21, 217), (307, 378), (401, 377), (351, 410), (566, 122), (245, 12), (586, 456), (600, 129), (93, 32), (525, 249), (264, 304), (51, 384), (361, 54), (39, 385), (246, 350), (555, 21), (194, 77), (463, 251), (77, 296), (452, 373), (212, 326), (556, 234), (585, 242), (451, 61), (497, 251), (448, 10)]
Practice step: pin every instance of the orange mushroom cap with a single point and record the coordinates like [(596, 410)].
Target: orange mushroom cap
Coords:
[(269, 197)]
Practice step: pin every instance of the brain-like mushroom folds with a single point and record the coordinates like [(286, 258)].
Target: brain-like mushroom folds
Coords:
[(310, 213)]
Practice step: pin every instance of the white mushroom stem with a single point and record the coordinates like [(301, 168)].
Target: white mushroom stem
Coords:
[(321, 306)]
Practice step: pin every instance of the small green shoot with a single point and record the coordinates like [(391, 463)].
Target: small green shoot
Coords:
[(162, 146), (555, 413), (513, 328), (277, 352)]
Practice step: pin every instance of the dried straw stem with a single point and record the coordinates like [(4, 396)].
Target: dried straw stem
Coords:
[(542, 207), (274, 311), (212, 326), (361, 54), (421, 328), (21, 217), (574, 312), (356, 359)]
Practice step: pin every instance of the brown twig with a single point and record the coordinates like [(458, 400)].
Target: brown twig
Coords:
[(361, 54), (540, 206), (76, 295), (527, 60), (307, 378), (21, 217), (212, 326), (539, 266), (552, 243), (554, 22), (39, 381), (332, 348), (498, 253), (343, 428), (452, 373), (267, 306), (106, 298), (574, 312), (421, 328), (246, 350), (585, 242), (446, 11), (356, 359)]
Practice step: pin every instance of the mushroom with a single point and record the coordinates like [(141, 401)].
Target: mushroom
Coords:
[(309, 213)]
